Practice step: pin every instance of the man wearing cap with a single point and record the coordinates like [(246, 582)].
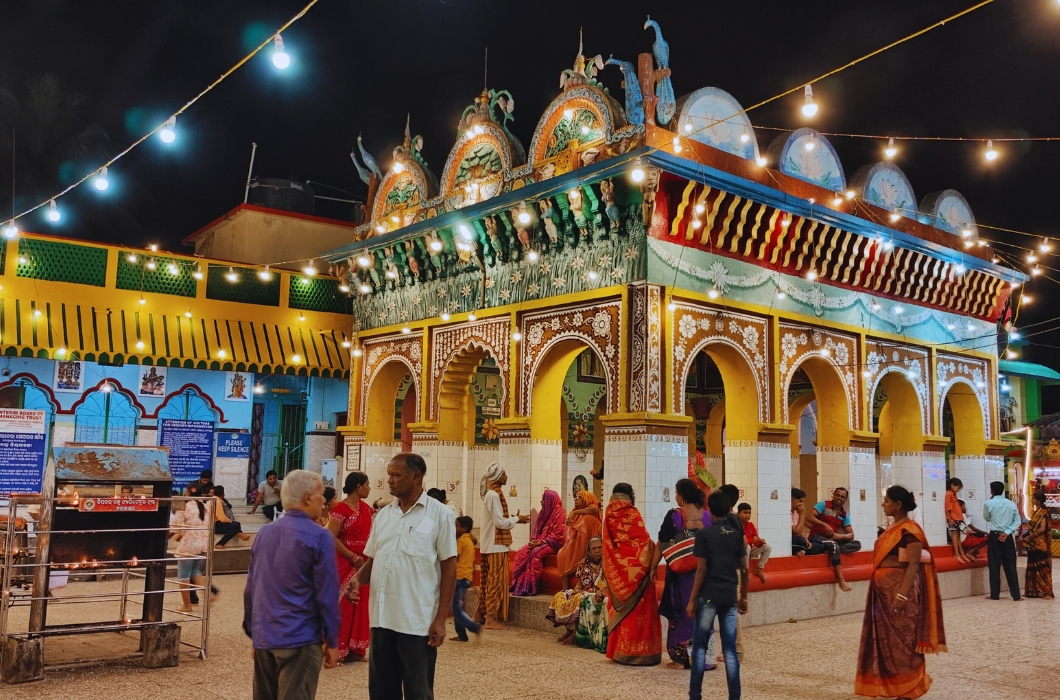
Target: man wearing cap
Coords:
[(495, 545)]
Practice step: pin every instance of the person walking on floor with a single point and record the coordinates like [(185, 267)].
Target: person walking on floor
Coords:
[(722, 567), (290, 603), (495, 547), (1003, 519), (465, 574), (411, 566)]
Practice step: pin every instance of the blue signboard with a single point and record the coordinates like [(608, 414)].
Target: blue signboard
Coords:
[(190, 444), (22, 443), (233, 445)]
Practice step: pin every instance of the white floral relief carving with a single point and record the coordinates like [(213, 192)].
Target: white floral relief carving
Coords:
[(973, 372), (797, 343), (653, 401), (638, 347), (406, 349), (695, 327), (882, 358), (599, 330), (492, 335)]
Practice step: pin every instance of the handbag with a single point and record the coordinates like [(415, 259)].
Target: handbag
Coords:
[(678, 553)]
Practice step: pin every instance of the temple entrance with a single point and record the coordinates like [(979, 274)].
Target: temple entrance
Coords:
[(583, 401), (896, 416), (705, 402), (392, 404), (818, 401)]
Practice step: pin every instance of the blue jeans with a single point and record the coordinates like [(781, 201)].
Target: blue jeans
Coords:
[(461, 621), (706, 611)]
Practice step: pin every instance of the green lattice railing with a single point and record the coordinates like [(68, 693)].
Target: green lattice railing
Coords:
[(62, 262), (316, 294), (250, 289), (161, 280)]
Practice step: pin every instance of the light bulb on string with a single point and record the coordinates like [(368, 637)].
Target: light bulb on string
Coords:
[(22, 260), (53, 212), (1011, 354), (173, 269), (445, 316), (11, 231), (231, 276), (465, 232), (838, 201), (744, 137), (435, 245), (1014, 335), (1026, 299), (365, 261), (781, 295), (851, 194), (890, 151), (672, 306), (700, 208), (585, 129), (357, 352), (280, 58), (168, 133), (1032, 258), (895, 216), (714, 293), (811, 275), (471, 316), (380, 227), (344, 288), (637, 174), (1045, 247), (1036, 271), (761, 161), (696, 223), (198, 272), (301, 318), (139, 345), (347, 344), (810, 145), (959, 268), (677, 144), (187, 314), (101, 181), (366, 289), (131, 257), (222, 354), (265, 274), (142, 301), (151, 264), (532, 256), (524, 215), (990, 153), (592, 275), (517, 336), (399, 167), (809, 107), (310, 269)]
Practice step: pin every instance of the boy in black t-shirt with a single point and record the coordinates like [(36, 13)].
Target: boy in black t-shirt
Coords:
[(721, 552)]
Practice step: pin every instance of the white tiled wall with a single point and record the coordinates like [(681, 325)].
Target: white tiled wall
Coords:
[(994, 470), (515, 457), (907, 470), (451, 470), (572, 467), (651, 464), (319, 448), (146, 437), (62, 434), (478, 459), (971, 470), (376, 456), (864, 501), (932, 503), (741, 469), (796, 473), (231, 473), (772, 513), (833, 471)]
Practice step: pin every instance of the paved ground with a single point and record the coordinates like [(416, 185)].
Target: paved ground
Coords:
[(997, 650)]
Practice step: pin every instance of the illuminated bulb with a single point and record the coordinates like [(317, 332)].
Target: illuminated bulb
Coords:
[(677, 144), (568, 114), (887, 245), (1011, 354), (866, 374), (532, 256), (785, 222), (280, 59), (1026, 299), (971, 327), (344, 288), (37, 312), (471, 316), (380, 227), (259, 389), (688, 127), (187, 314), (53, 212), (781, 295), (61, 351), (969, 244), (151, 264), (1014, 335), (890, 151), (106, 388), (310, 269), (696, 223), (198, 272), (232, 276), (1045, 247), (153, 247), (366, 289), (825, 352), (761, 162), (303, 280), (809, 107), (222, 354), (436, 245), (911, 373), (301, 317), (11, 232), (744, 137), (713, 293), (22, 260), (672, 306), (810, 145), (574, 194), (391, 274), (1036, 271), (363, 261), (524, 216), (1032, 258), (173, 269), (139, 345), (898, 310), (1014, 284), (465, 231), (445, 315), (168, 133), (399, 167), (585, 129), (959, 269), (990, 153), (837, 201), (637, 173), (951, 326), (346, 344), (131, 257), (876, 306), (993, 260), (357, 352), (265, 274), (811, 275), (517, 336), (101, 181), (592, 274), (895, 216), (1005, 386), (142, 301), (850, 194), (700, 208)]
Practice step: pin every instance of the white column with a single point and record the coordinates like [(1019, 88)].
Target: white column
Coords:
[(994, 470), (864, 500), (376, 455), (574, 465), (931, 504), (650, 458), (772, 513), (515, 458), (971, 470)]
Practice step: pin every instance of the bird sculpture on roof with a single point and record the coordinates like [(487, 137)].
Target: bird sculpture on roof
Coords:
[(370, 166), (634, 97), (667, 106)]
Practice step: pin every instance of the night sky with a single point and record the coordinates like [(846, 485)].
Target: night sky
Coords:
[(360, 67)]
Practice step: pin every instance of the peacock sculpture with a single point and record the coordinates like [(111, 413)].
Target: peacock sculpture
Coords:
[(634, 98), (667, 106), (370, 166)]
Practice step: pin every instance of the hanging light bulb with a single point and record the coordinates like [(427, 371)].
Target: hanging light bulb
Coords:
[(761, 161), (22, 260), (851, 194), (810, 145), (101, 181), (898, 310), (187, 314), (445, 315), (38, 312), (1011, 354), (688, 127), (744, 137), (131, 257), (811, 275), (1045, 247), (574, 194), (296, 358), (173, 269), (809, 107), (1032, 258), (1026, 299), (435, 245), (637, 174), (524, 215), (301, 318), (672, 306), (265, 274), (11, 231), (890, 151), (471, 316), (895, 216), (310, 269), (365, 288), (60, 351), (517, 336), (198, 272), (280, 59), (990, 153), (700, 208), (887, 245), (838, 201), (781, 295), (592, 274), (532, 256), (232, 276), (585, 129), (1036, 271), (568, 114), (714, 293), (876, 306), (53, 212), (1014, 335), (380, 227), (347, 344), (364, 260), (357, 352), (344, 288), (465, 232), (399, 167), (142, 301), (168, 133), (696, 223), (222, 354), (677, 144), (151, 264), (786, 221), (153, 247), (959, 268), (139, 345)]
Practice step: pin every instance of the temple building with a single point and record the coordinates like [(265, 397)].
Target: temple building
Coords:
[(645, 292)]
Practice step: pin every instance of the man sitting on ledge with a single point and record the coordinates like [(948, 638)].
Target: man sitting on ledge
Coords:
[(830, 532)]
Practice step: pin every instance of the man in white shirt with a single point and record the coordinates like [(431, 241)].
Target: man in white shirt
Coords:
[(495, 546), (411, 566)]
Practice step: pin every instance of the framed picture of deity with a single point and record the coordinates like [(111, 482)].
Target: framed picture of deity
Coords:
[(152, 381), (237, 386), (69, 376), (590, 369)]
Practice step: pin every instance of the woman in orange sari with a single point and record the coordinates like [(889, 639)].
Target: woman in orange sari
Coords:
[(903, 614), (583, 524), (634, 631), (1039, 545), (351, 524)]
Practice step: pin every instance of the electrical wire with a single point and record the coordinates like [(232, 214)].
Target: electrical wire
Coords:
[(882, 137)]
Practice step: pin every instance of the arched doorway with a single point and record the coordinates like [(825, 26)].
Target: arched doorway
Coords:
[(106, 416), (828, 404), (898, 419), (963, 423), (391, 405), (583, 401)]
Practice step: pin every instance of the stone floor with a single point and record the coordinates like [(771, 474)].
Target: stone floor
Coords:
[(997, 650)]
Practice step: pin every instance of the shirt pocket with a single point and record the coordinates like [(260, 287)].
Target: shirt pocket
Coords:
[(418, 545)]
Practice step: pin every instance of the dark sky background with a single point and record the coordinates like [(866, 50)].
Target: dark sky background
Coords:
[(360, 67)]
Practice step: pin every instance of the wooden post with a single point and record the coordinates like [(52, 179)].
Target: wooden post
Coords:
[(39, 608)]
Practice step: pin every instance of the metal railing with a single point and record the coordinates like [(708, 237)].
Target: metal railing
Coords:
[(21, 578)]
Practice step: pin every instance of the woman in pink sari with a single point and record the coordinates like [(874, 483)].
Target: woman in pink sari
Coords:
[(550, 532), (351, 523)]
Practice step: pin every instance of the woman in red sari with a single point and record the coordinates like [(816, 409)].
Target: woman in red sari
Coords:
[(903, 614), (634, 631), (351, 523)]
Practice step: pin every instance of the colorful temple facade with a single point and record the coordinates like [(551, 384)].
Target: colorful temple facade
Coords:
[(643, 284)]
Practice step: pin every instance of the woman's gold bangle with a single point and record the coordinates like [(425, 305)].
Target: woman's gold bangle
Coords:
[(899, 596)]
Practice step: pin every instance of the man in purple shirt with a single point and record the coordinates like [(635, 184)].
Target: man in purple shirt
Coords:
[(291, 601)]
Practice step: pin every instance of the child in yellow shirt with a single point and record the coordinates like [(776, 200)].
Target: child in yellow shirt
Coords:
[(465, 574)]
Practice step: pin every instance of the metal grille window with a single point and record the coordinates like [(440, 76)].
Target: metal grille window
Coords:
[(282, 426), (106, 417), (188, 406)]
